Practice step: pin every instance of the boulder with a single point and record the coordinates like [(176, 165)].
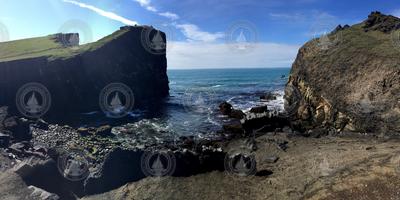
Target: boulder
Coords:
[(268, 96), (225, 108), (259, 109)]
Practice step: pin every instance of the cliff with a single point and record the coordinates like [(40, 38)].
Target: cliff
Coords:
[(75, 75), (349, 80)]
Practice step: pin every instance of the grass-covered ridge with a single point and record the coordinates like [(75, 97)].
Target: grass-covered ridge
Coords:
[(48, 46)]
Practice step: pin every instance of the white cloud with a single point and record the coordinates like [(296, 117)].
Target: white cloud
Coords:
[(193, 33), (182, 55), (169, 15), (103, 13), (146, 4)]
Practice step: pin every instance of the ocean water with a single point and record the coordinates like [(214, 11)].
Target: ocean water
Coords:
[(192, 108)]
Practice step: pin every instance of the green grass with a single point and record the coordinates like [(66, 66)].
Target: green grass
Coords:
[(47, 47)]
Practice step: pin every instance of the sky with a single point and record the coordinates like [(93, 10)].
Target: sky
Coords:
[(201, 33)]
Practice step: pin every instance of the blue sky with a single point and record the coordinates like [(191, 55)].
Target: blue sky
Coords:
[(198, 29)]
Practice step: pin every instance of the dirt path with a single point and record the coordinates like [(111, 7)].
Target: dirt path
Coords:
[(325, 168)]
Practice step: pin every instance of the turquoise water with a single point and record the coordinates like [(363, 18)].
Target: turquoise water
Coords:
[(192, 108)]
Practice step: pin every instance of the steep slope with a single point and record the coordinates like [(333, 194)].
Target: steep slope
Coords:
[(75, 75), (350, 79)]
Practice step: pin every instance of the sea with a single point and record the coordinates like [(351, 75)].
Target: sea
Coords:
[(192, 108)]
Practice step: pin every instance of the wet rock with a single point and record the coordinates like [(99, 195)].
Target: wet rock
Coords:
[(225, 108), (237, 114), (268, 96), (259, 109)]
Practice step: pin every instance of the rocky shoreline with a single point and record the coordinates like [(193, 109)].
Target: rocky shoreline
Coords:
[(321, 147)]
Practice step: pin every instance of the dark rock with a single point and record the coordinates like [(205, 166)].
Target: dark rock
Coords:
[(237, 114), (234, 127), (104, 131), (19, 127), (259, 109), (4, 140), (370, 148), (225, 108), (268, 96), (379, 22), (19, 148), (41, 124)]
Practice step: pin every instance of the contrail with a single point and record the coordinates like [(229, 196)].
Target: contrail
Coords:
[(103, 13)]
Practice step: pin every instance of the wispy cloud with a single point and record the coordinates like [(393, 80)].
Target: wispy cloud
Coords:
[(212, 55), (193, 33), (146, 4), (169, 15), (103, 13)]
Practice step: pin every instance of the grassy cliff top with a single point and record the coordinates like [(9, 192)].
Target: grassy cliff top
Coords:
[(49, 46)]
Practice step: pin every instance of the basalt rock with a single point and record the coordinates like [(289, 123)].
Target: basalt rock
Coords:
[(348, 81), (75, 75)]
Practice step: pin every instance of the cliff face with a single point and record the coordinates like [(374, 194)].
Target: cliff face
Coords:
[(349, 80), (75, 75)]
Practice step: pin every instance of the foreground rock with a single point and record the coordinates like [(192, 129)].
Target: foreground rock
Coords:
[(325, 168), (341, 82), (75, 75)]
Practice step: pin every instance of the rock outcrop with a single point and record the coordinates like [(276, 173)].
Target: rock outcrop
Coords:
[(75, 75), (349, 79)]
